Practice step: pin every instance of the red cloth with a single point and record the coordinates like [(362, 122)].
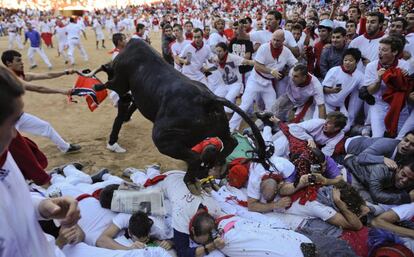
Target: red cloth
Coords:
[(392, 250), (318, 52), (396, 93), (229, 33), (275, 51), (84, 82), (362, 26), (346, 71), (238, 172), (154, 180), (198, 148), (298, 118), (310, 58), (239, 202), (276, 177), (222, 62), (357, 240), (97, 193), (3, 158), (47, 38), (309, 193), (30, 160), (189, 36), (376, 36), (196, 46), (83, 196)]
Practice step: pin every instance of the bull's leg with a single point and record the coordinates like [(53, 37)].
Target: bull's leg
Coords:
[(229, 143), (171, 143)]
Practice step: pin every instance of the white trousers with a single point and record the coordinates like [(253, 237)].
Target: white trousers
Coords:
[(32, 51), (76, 182), (15, 37), (253, 91), (230, 92), (379, 110), (33, 125), (76, 43), (62, 47)]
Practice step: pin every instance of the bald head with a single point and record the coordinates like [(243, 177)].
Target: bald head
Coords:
[(268, 189), (278, 37)]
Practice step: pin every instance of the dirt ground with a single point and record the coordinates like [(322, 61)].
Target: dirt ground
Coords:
[(76, 124)]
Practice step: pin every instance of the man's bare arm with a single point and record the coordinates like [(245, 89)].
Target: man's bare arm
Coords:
[(48, 75), (386, 221)]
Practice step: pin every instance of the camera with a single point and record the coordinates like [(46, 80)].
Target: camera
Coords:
[(312, 179), (315, 168)]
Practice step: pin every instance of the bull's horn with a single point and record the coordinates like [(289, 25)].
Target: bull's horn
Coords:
[(92, 73)]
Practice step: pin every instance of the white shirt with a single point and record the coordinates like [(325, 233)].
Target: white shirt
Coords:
[(214, 39), (230, 72), (184, 204), (73, 30), (257, 171), (404, 211), (197, 59), (20, 233), (97, 27), (264, 56), (349, 83), (300, 95), (369, 48), (44, 27), (264, 36), (409, 46), (61, 34), (177, 48), (371, 76)]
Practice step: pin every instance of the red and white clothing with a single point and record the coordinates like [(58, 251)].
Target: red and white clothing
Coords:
[(307, 130), (74, 33), (262, 85), (379, 110), (350, 83), (231, 78), (264, 36), (97, 27), (176, 50), (21, 234), (62, 41), (369, 48), (198, 57)]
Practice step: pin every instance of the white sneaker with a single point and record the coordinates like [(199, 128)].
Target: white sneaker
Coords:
[(115, 148)]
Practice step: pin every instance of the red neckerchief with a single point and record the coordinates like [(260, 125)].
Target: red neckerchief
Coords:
[(3, 158), (347, 72), (19, 74), (206, 37), (222, 62), (275, 51), (249, 29), (139, 34), (189, 35), (376, 36), (221, 33), (307, 81), (393, 65), (197, 47)]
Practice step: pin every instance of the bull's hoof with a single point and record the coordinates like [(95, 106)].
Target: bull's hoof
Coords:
[(194, 188)]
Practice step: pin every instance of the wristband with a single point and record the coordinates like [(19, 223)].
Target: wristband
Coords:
[(206, 250)]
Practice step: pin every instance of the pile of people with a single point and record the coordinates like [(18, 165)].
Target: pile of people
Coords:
[(331, 88)]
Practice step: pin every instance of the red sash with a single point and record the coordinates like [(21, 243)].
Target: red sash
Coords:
[(396, 93), (155, 180), (298, 118)]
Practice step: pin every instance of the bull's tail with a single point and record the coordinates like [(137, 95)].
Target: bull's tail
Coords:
[(260, 144)]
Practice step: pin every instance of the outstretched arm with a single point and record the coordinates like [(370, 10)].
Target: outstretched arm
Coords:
[(48, 75)]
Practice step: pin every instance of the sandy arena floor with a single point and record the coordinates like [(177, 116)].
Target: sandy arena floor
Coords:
[(91, 130)]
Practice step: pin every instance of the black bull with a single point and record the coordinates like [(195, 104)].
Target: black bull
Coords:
[(184, 112)]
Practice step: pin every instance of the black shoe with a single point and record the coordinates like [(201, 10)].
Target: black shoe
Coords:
[(59, 170), (97, 177), (73, 148), (265, 117)]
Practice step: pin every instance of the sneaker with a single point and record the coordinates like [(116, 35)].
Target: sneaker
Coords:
[(129, 171), (97, 177), (59, 170), (33, 66), (156, 166), (115, 148), (73, 148), (50, 67)]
